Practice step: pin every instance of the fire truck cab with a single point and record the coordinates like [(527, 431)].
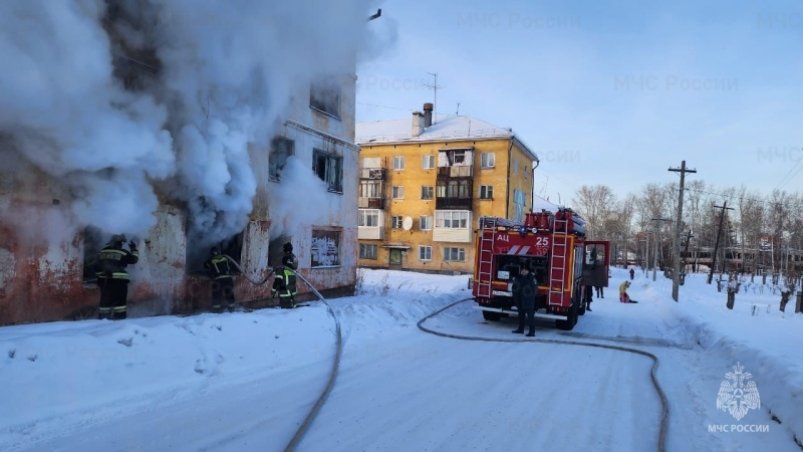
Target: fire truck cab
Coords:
[(565, 264)]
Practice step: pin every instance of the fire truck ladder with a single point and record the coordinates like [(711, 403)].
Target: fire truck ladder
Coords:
[(557, 264), (485, 264)]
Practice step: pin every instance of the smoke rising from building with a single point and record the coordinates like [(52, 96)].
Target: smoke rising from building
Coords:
[(129, 103)]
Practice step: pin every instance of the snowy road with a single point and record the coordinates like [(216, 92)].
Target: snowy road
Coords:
[(399, 388)]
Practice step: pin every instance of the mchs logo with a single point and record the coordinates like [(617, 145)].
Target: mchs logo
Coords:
[(738, 393)]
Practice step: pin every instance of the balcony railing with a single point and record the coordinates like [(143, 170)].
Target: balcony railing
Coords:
[(371, 203), (373, 173), (453, 203), (455, 171)]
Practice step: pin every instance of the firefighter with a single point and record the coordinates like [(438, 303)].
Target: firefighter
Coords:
[(588, 297), (113, 278), (786, 293), (524, 290), (284, 284), (222, 274)]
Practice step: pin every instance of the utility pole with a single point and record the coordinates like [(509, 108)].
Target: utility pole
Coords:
[(723, 208), (676, 236)]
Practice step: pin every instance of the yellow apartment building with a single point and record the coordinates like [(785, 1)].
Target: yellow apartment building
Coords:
[(423, 187)]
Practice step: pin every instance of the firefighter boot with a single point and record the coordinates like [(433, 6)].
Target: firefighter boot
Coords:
[(531, 333), (518, 331)]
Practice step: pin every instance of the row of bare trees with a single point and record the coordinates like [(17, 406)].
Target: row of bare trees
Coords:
[(772, 223)]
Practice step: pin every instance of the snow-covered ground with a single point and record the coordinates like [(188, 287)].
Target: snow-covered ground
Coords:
[(246, 381)]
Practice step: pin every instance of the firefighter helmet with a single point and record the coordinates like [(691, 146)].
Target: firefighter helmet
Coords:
[(288, 247), (117, 238)]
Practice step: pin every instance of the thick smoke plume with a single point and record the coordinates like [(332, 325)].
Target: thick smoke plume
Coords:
[(131, 102)]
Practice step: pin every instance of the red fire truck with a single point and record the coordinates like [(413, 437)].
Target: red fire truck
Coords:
[(565, 264)]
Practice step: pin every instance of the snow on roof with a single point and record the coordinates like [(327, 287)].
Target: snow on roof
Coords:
[(445, 128)]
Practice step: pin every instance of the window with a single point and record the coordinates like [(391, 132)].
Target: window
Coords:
[(370, 189), (329, 167), (453, 189), (369, 218), (398, 192), (324, 96), (515, 166), (425, 223), (428, 162), (325, 249), (486, 191), (454, 254), (487, 160), (424, 253), (398, 162), (396, 222), (456, 219), (518, 203), (426, 192), (367, 251), (281, 148)]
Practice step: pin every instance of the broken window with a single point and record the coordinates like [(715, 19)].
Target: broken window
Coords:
[(329, 167), (281, 148), (325, 249), (325, 97)]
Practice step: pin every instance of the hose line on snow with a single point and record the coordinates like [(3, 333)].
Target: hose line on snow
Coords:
[(653, 377), (313, 413), (256, 283)]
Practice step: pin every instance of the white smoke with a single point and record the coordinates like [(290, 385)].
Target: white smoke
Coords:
[(210, 79), (288, 212)]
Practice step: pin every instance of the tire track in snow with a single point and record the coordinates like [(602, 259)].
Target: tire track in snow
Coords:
[(661, 446)]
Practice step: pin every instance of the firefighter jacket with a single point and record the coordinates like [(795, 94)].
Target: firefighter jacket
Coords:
[(284, 284), (112, 261), (219, 267)]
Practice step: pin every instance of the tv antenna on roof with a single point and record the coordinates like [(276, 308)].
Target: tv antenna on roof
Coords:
[(434, 86)]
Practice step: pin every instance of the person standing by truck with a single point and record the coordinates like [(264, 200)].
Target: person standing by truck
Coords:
[(524, 287)]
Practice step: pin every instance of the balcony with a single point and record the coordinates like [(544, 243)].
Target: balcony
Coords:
[(371, 233), (373, 173), (371, 203)]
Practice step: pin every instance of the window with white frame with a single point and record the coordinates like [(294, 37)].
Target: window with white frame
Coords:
[(367, 251), (454, 254), (424, 253), (456, 219), (428, 162), (369, 218), (396, 222), (398, 162), (486, 191), (398, 192), (425, 222), (487, 160), (427, 192)]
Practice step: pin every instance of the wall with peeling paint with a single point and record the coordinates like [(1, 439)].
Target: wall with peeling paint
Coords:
[(41, 261)]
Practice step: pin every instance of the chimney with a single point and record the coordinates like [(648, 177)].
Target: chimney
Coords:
[(418, 123), (427, 114)]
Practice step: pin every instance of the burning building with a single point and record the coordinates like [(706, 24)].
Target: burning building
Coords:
[(183, 124)]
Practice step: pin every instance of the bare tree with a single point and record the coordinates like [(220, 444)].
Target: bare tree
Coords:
[(594, 203)]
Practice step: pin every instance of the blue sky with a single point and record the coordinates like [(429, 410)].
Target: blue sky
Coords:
[(611, 92)]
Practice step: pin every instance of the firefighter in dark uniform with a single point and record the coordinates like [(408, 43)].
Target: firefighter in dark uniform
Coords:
[(222, 274), (524, 291), (113, 278), (284, 283)]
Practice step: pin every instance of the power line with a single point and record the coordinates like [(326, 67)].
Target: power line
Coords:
[(795, 204)]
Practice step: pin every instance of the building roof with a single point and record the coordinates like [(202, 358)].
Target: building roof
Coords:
[(448, 128)]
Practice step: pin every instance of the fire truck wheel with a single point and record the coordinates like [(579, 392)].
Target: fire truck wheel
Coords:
[(570, 322), (491, 316)]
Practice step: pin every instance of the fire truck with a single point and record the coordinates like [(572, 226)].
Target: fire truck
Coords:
[(553, 245)]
